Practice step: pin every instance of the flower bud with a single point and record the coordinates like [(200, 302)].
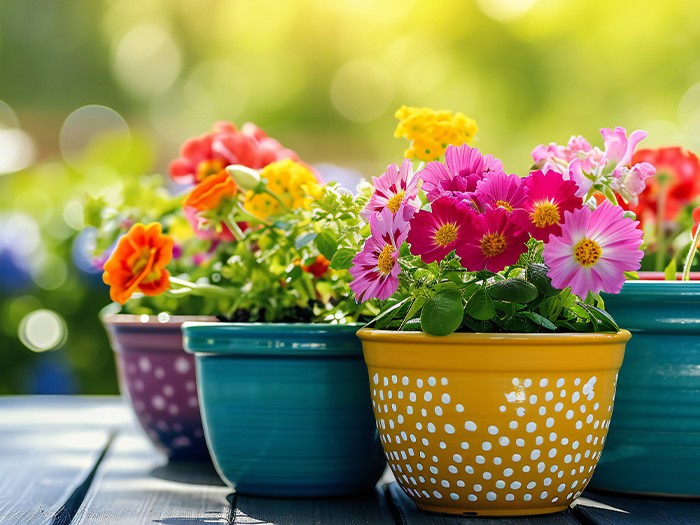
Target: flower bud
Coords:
[(244, 177)]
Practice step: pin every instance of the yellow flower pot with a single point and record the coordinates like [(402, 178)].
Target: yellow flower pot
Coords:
[(493, 424)]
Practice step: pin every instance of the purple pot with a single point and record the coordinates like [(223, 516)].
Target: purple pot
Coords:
[(158, 378)]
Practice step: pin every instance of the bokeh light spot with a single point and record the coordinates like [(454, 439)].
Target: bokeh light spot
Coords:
[(42, 330), (147, 60), (362, 90), (8, 118), (73, 215), (88, 124), (17, 150), (51, 272), (505, 10)]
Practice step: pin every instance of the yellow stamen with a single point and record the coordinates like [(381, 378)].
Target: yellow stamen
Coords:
[(504, 204), (395, 202), (587, 252), (545, 214), (385, 261), (493, 244), (446, 234)]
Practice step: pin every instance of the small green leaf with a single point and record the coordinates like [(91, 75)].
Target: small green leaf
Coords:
[(540, 320), (537, 274), (411, 325), (602, 320), (342, 260), (389, 312), (670, 270), (480, 305), (518, 323), (327, 244), (477, 326), (416, 306), (634, 276), (305, 239), (513, 290), (442, 314)]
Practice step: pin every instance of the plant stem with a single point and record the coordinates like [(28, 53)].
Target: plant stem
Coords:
[(691, 255), (202, 289), (660, 256)]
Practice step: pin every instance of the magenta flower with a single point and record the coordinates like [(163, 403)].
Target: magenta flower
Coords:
[(549, 196), (501, 190), (375, 270), (395, 187), (435, 233), (492, 242), (464, 166), (594, 250)]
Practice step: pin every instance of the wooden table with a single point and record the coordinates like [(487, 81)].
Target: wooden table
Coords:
[(79, 460)]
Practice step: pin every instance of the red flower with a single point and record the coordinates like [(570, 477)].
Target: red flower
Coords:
[(677, 176), (493, 241), (437, 232), (208, 154)]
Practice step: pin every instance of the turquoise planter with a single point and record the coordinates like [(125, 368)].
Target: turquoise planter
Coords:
[(286, 407), (653, 444)]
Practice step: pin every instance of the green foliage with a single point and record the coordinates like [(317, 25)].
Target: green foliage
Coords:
[(446, 298)]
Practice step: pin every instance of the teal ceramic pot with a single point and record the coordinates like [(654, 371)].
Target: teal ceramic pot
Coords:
[(653, 444), (286, 407)]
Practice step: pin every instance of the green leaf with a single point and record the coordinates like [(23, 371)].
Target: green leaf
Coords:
[(602, 320), (513, 290), (537, 274), (304, 239), (411, 325), (417, 304), (327, 244), (670, 270), (443, 313), (518, 323), (480, 305), (389, 312), (477, 326), (342, 260), (540, 320), (634, 276)]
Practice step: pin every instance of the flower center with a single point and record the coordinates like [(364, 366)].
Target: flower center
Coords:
[(395, 202), (545, 214), (504, 204), (493, 244), (587, 252), (208, 167), (446, 234), (385, 261)]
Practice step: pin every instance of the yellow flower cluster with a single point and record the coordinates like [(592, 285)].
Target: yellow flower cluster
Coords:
[(294, 185), (431, 131)]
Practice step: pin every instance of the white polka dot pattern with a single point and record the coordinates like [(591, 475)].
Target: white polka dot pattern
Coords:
[(535, 444)]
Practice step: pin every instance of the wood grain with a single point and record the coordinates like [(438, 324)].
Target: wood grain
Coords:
[(44, 460), (135, 485), (609, 509)]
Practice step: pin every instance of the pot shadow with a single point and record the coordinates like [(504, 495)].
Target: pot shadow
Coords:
[(192, 473)]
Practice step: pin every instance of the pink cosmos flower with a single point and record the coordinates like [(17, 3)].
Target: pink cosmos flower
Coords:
[(501, 190), (549, 196), (396, 187), (464, 167), (492, 242), (225, 145), (594, 250), (375, 270), (435, 233)]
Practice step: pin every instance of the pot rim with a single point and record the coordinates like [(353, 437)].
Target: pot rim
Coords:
[(488, 338), (133, 320), (271, 339)]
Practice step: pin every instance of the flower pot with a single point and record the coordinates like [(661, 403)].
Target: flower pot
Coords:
[(286, 408), (654, 442), (492, 424), (158, 378)]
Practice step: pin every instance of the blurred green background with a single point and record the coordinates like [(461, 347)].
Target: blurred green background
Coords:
[(93, 92)]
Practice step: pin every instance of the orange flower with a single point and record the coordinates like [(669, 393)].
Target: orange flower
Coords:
[(209, 193), (319, 267), (138, 263)]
